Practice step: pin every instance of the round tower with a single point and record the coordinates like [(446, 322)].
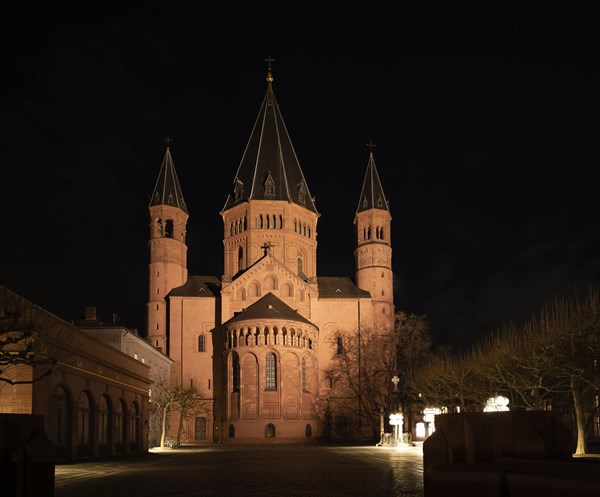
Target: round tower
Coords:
[(168, 251), (373, 254)]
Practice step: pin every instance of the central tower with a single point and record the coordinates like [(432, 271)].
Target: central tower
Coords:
[(270, 209)]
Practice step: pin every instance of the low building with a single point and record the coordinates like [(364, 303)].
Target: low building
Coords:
[(93, 397), (128, 341)]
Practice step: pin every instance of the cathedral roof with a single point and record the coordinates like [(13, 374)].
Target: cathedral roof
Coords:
[(167, 190), (339, 287), (269, 169), (198, 286), (269, 307), (372, 196)]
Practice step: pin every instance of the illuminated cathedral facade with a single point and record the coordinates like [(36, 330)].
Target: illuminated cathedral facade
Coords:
[(258, 339)]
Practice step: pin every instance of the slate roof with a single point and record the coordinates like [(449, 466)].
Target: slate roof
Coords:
[(269, 169), (269, 307), (198, 286), (339, 287), (371, 195), (167, 190)]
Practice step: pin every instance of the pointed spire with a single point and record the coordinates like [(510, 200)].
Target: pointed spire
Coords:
[(269, 169), (372, 196), (167, 190)]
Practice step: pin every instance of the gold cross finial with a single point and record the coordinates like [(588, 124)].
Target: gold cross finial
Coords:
[(269, 60)]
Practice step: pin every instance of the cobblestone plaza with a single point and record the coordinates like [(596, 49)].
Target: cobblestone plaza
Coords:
[(250, 470)]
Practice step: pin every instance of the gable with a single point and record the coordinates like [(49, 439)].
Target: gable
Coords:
[(269, 275)]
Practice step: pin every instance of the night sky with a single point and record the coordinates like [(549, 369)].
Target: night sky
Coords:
[(485, 121)]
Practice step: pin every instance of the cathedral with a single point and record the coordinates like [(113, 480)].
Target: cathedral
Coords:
[(257, 339)]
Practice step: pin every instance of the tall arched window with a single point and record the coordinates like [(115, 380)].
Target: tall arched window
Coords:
[(304, 386), (103, 426), (134, 425), (84, 438), (235, 366), (120, 411), (169, 229), (271, 371), (240, 259), (201, 347), (300, 268), (60, 422)]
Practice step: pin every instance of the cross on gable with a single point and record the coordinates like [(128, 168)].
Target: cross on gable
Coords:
[(267, 248)]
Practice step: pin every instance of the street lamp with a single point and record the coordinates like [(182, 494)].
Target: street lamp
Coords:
[(396, 418)]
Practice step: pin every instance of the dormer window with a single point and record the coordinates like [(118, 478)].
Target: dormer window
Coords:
[(365, 202), (238, 189), (301, 193), (269, 186), (379, 202)]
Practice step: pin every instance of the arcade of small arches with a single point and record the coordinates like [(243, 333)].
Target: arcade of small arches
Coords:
[(85, 428), (254, 289), (267, 221), (371, 233), (268, 335), (165, 228)]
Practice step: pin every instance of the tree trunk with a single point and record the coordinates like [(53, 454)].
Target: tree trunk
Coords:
[(180, 428), (581, 448), (163, 434)]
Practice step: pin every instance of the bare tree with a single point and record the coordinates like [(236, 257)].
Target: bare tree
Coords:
[(564, 340), (189, 401), (162, 402), (186, 401), (32, 340), (362, 370), (452, 382), (555, 353)]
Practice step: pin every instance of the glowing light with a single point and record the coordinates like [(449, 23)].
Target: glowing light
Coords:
[(494, 404)]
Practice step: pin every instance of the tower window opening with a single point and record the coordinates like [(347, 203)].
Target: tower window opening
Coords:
[(339, 346), (201, 343), (169, 228)]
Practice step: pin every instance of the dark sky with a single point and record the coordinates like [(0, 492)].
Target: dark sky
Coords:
[(485, 121)]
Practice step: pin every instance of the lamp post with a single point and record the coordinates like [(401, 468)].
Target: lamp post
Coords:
[(396, 418), (381, 425)]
